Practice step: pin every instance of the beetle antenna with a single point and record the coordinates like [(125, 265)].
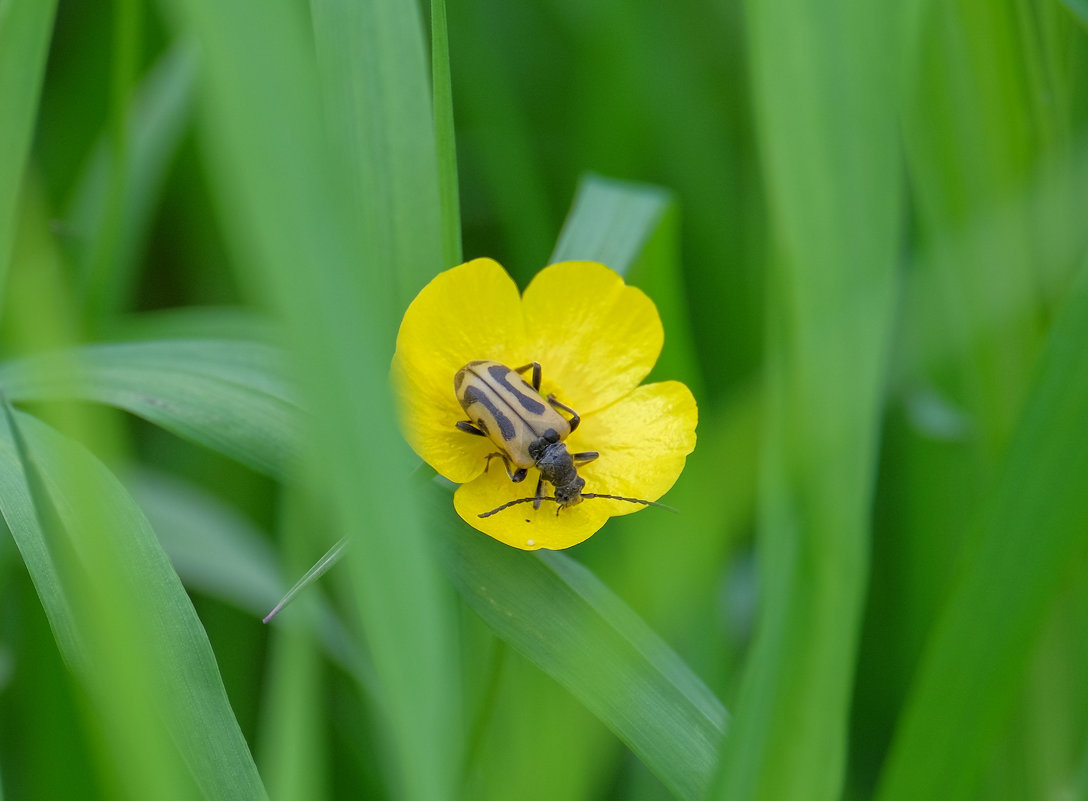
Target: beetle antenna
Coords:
[(508, 504), (631, 500)]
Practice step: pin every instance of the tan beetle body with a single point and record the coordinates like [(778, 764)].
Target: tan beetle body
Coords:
[(507, 409), (528, 430)]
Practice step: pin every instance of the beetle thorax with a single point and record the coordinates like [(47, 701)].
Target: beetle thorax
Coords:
[(557, 468)]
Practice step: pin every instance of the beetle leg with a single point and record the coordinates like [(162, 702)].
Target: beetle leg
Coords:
[(515, 475), (584, 456), (470, 428), (575, 418), (536, 373), (539, 493)]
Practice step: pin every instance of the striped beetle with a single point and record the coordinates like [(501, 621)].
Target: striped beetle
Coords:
[(528, 430)]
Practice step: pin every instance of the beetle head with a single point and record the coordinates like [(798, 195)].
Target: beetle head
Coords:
[(570, 494)]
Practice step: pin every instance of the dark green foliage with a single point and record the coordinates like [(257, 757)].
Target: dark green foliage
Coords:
[(864, 228)]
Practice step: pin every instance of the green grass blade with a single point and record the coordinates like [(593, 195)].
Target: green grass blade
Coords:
[(444, 136), (215, 549), (226, 395), (1032, 542), (36, 538), (102, 262), (154, 125), (966, 163), (193, 322), (828, 136), (219, 554), (25, 26), (511, 181), (610, 222), (632, 228), (140, 648), (560, 617), (320, 567), (1079, 8), (339, 235), (373, 66), (295, 742)]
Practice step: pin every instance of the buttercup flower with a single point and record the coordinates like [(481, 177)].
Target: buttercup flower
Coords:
[(596, 339)]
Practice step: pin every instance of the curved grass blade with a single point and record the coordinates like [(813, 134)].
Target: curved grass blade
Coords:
[(122, 620), (633, 723), (226, 395), (559, 616)]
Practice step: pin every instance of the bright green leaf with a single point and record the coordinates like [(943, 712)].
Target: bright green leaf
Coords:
[(444, 135), (25, 27), (610, 222), (1032, 541), (158, 117), (175, 657), (560, 617), (226, 395)]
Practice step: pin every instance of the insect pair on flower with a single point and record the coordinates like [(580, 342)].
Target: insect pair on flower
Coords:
[(596, 339)]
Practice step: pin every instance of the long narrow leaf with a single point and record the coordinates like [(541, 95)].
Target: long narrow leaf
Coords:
[(192, 702), (659, 708), (1079, 8), (610, 222), (560, 617), (1033, 539), (25, 26), (159, 114), (444, 135), (632, 228), (373, 69), (226, 395), (339, 234), (220, 554), (822, 87)]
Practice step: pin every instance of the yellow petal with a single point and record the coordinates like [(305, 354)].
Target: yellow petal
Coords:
[(643, 441), (522, 526), (596, 337), (469, 312)]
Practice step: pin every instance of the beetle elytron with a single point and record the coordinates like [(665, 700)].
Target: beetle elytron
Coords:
[(528, 430)]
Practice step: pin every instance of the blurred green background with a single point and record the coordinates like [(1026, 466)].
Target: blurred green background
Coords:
[(866, 229)]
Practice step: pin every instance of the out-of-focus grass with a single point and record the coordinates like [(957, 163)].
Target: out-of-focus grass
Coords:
[(24, 44), (337, 237), (830, 314), (861, 227)]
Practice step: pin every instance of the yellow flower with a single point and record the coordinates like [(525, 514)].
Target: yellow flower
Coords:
[(596, 340)]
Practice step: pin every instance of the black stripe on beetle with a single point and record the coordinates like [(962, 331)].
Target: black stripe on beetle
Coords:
[(528, 430), (474, 395), (501, 375)]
